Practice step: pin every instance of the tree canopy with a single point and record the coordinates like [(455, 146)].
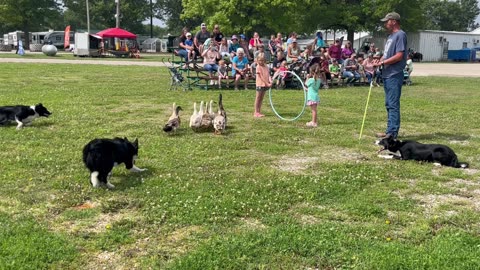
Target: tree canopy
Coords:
[(240, 16)]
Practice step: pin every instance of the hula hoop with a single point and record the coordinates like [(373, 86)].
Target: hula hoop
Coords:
[(304, 98)]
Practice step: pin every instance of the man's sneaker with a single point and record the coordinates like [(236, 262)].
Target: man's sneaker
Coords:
[(382, 135), (311, 124)]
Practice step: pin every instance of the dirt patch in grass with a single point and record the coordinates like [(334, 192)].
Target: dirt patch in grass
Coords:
[(106, 260), (294, 164), (431, 203), (298, 163), (252, 224), (9, 205)]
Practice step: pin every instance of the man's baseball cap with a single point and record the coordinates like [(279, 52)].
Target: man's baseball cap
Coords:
[(234, 37), (391, 16), (203, 25)]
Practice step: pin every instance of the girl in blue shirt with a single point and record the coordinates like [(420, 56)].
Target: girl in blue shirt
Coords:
[(313, 83)]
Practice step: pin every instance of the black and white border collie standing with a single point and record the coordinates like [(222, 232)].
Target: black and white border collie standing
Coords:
[(101, 155), (411, 150), (21, 114)]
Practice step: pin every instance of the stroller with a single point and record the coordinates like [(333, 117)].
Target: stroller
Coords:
[(176, 78)]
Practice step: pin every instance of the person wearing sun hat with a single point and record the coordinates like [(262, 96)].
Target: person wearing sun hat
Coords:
[(234, 45), (293, 51), (244, 45), (393, 63)]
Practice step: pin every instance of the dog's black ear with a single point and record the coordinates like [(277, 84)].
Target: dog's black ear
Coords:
[(40, 104), (126, 139), (135, 143)]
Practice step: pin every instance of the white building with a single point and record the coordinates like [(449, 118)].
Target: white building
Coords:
[(434, 45)]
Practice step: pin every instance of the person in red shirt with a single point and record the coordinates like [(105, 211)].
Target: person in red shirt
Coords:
[(335, 51)]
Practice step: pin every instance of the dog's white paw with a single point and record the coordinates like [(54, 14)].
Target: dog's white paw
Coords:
[(437, 164), (110, 186), (136, 169), (385, 156)]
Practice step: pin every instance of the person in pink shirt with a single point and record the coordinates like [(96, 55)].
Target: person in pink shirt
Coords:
[(347, 50), (335, 51), (371, 70)]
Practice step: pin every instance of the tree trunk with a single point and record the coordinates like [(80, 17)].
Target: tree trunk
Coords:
[(350, 36)]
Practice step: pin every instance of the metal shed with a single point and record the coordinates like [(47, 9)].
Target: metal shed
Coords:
[(154, 45), (434, 45)]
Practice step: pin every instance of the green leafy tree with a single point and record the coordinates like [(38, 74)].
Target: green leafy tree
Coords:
[(29, 15), (247, 16), (170, 12), (450, 16), (269, 16)]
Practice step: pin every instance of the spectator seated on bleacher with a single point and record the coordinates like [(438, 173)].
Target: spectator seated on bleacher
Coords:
[(335, 71), (277, 61), (350, 70), (223, 49), (240, 68), (335, 51), (293, 51), (183, 50), (210, 57), (232, 49), (200, 38), (370, 70)]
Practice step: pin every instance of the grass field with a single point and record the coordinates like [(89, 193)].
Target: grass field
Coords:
[(269, 194)]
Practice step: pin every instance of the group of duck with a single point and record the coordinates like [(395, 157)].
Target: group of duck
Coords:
[(205, 119)]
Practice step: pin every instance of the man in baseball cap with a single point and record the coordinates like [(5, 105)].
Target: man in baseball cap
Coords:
[(393, 62), (391, 16)]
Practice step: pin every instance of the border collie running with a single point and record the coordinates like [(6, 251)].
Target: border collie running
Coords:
[(101, 155), (22, 114)]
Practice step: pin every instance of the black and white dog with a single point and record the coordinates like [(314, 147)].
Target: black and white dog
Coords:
[(412, 150), (23, 115), (101, 155)]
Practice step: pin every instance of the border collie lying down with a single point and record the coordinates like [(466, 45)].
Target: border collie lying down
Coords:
[(101, 155), (412, 150), (23, 115)]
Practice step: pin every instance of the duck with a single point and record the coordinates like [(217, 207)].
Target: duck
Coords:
[(206, 123), (196, 118), (220, 120), (210, 110), (174, 120)]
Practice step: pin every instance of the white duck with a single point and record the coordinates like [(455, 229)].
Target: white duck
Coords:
[(207, 117), (196, 118)]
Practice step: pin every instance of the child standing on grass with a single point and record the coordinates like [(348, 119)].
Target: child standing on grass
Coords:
[(313, 83), (222, 73), (263, 82)]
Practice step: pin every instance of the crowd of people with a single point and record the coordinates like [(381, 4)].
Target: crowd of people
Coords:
[(318, 63), (239, 55)]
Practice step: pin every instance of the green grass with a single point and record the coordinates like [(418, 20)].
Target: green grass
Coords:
[(269, 194)]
